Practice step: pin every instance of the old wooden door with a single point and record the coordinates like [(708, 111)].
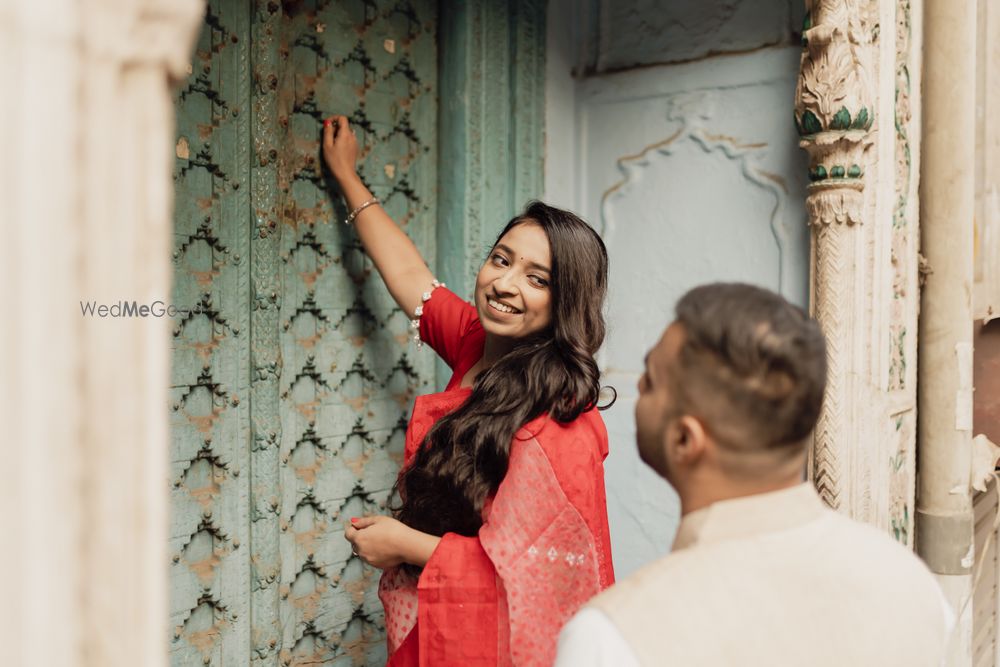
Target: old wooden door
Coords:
[(291, 372)]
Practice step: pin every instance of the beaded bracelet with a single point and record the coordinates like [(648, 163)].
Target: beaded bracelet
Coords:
[(350, 218), (418, 313)]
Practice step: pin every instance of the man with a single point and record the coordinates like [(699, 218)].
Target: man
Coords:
[(762, 573)]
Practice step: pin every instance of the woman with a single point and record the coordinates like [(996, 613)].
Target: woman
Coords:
[(501, 532)]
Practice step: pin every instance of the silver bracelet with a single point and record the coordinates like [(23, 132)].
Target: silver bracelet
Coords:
[(355, 212)]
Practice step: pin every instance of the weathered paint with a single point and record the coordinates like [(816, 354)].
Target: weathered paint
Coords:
[(211, 376), (635, 33), (492, 117), (293, 377)]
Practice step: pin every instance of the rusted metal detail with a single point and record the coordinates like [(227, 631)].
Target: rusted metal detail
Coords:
[(267, 364)]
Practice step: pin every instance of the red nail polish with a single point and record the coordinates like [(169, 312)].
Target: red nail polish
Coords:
[(354, 519), (326, 122)]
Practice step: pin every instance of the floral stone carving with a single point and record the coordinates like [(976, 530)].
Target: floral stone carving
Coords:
[(834, 106)]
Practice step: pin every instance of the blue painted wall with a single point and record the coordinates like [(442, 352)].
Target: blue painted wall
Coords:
[(689, 167)]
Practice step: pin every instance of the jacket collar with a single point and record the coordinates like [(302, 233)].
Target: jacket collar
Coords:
[(749, 516)]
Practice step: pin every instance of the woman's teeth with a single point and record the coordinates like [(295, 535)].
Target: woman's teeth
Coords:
[(496, 305)]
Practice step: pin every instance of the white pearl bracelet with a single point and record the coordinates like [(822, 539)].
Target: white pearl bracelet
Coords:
[(418, 313)]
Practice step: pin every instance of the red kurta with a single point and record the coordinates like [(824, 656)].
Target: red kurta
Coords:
[(501, 598)]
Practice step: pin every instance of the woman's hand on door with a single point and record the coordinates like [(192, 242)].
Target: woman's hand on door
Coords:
[(340, 147), (397, 259)]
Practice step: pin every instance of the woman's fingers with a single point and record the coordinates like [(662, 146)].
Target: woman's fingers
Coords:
[(337, 125), (343, 125), (327, 134), (352, 529)]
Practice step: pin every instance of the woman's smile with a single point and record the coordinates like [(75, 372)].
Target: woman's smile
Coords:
[(502, 307), (513, 294)]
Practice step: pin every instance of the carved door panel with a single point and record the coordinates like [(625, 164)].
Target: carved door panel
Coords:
[(692, 177), (292, 375)]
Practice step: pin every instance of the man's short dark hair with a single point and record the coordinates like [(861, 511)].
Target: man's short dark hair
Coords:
[(752, 366)]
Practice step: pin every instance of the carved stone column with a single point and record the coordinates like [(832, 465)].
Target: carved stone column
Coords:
[(86, 122), (858, 113), (834, 114)]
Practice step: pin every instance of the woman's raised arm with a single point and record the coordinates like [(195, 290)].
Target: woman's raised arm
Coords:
[(397, 259)]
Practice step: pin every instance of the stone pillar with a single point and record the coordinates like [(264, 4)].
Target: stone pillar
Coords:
[(86, 122), (986, 294), (860, 68), (944, 507), (834, 115)]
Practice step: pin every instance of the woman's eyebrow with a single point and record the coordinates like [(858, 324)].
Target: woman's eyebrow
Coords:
[(536, 265)]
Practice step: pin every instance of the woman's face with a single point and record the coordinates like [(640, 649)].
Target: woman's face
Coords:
[(513, 291)]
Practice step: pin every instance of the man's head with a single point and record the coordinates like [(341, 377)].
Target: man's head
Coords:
[(731, 392)]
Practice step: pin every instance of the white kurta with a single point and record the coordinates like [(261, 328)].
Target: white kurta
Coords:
[(773, 579)]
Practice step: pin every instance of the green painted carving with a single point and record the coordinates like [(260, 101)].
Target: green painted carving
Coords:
[(810, 124), (817, 173), (902, 250), (901, 526), (293, 376), (855, 171), (901, 480), (841, 120), (837, 172), (862, 121), (492, 117), (210, 376)]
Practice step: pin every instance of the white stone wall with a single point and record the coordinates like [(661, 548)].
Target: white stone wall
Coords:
[(86, 122)]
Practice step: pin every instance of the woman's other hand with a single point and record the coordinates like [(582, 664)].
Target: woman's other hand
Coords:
[(377, 539), (340, 147), (383, 542)]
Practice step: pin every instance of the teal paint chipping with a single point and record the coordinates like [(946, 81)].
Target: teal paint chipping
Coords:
[(210, 378), (293, 377), (492, 127)]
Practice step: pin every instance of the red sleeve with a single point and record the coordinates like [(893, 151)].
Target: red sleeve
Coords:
[(445, 320), (458, 612)]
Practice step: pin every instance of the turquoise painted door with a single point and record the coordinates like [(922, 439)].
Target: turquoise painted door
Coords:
[(292, 374)]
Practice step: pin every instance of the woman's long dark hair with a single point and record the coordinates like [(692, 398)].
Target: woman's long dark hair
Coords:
[(464, 456)]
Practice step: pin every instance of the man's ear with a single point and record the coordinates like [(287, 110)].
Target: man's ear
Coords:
[(686, 441)]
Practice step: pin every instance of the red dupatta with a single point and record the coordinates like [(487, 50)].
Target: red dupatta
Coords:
[(500, 598)]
